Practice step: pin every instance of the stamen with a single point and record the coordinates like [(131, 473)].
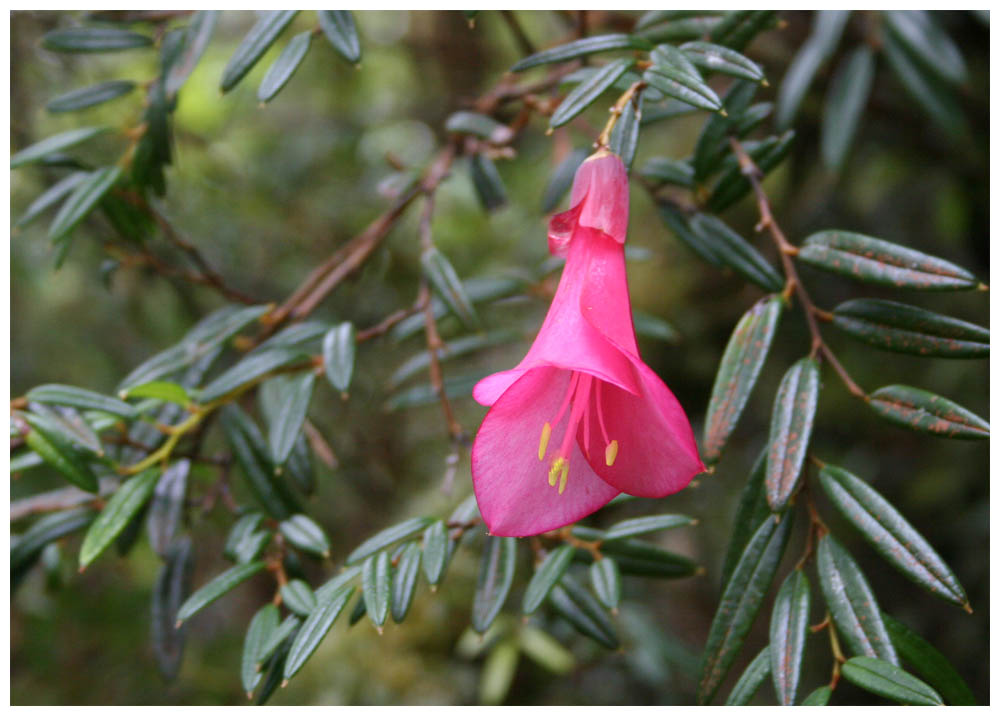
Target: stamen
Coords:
[(563, 477), (560, 464), (543, 444), (600, 412), (611, 452)]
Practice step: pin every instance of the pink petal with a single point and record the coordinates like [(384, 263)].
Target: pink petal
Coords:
[(601, 185), (511, 484)]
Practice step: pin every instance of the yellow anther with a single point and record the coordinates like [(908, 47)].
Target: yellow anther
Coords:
[(611, 452), (558, 464), (563, 477), (543, 444)]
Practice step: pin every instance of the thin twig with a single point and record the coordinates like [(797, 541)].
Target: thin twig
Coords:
[(515, 27)]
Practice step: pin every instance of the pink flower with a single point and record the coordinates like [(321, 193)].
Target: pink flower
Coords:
[(581, 418)]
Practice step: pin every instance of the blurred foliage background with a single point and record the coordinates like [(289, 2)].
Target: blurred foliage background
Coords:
[(268, 192)]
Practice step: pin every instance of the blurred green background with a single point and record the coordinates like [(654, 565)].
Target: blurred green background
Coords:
[(267, 193)]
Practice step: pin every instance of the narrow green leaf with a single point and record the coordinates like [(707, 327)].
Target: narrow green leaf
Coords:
[(888, 680), (72, 396), (930, 663), (498, 673), (819, 697), (487, 182), (712, 146), (376, 580), (750, 680), (58, 452), (119, 510), (51, 527), (285, 400), (907, 329), (680, 85), (314, 629), (496, 575), (581, 48), (170, 589), (649, 326), (196, 38), (638, 557), (90, 96), (436, 553), (159, 390), (788, 631), (284, 67), (738, 371), (167, 506), (25, 460), (479, 125), (828, 25), (249, 451), (453, 349), (851, 602), (655, 17), (890, 534), (723, 60), (278, 638), (606, 580), (587, 92), (575, 604), (49, 198), (668, 171), (919, 33), (404, 581), (262, 626), (791, 428), (82, 201), (683, 25), (671, 57), (339, 28), (442, 275), (51, 145), (253, 366), (479, 290), (733, 251), (925, 412), (750, 511), (845, 101), (644, 525), (741, 600), (242, 529), (387, 537), (299, 597), (733, 186), (94, 39), (625, 136), (562, 179), (303, 533), (338, 355), (220, 585), (881, 262), (260, 38), (546, 575)]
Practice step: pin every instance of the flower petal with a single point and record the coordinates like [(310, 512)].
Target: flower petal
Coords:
[(510, 482), (601, 186)]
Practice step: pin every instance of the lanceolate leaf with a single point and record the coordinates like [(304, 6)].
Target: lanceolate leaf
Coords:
[(442, 275), (51, 145), (171, 588), (643, 525), (716, 58), (680, 85), (587, 92), (404, 581), (81, 398), (888, 680), (606, 579), (738, 27), (487, 182), (580, 48), (791, 428), (668, 171), (339, 28), (741, 600), (84, 198), (59, 453), (46, 530), (828, 26), (280, 636), (263, 624), (496, 575), (376, 579), (751, 679), (678, 25), (255, 365), (479, 125), (435, 556), (120, 509), (712, 146), (733, 186), (90, 96), (637, 557), (738, 372), (579, 608), (248, 449), (881, 262), (929, 663), (196, 39), (167, 506), (303, 533), (285, 400), (299, 597), (670, 56), (926, 412), (222, 584), (919, 33), (851, 602), (387, 537), (338, 355), (94, 39), (50, 197), (818, 697), (284, 67), (260, 38), (625, 136), (750, 512), (548, 573), (845, 101), (789, 627), (732, 250), (314, 629)]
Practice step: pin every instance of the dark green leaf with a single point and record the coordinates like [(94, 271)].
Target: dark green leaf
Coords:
[(936, 98), (314, 629), (479, 125), (625, 136), (339, 28), (279, 637), (50, 197), (546, 575), (716, 58), (575, 604), (25, 460), (888, 680), (712, 145), (487, 182), (404, 581), (376, 580), (741, 600), (671, 57), (220, 585), (907, 329), (300, 468), (919, 33), (737, 28), (479, 290), (94, 39), (828, 26), (84, 198), (299, 597), (274, 667), (562, 179), (260, 38), (496, 575), (733, 186), (90, 96), (262, 626), (738, 372), (172, 586), (284, 67), (244, 527), (851, 602), (644, 525), (661, 170), (253, 366), (682, 25), (119, 510), (680, 85), (55, 394), (751, 679), (442, 275), (436, 553), (196, 38), (249, 451), (791, 428), (159, 390), (819, 697), (51, 145), (338, 355), (284, 401), (925, 412), (752, 509), (167, 506), (606, 580), (788, 630), (581, 48), (387, 537), (305, 534), (930, 663), (587, 92), (637, 557), (654, 327), (453, 349), (68, 424), (732, 250), (845, 101), (59, 453), (48, 529)]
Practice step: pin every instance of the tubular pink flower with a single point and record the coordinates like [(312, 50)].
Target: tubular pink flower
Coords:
[(581, 418)]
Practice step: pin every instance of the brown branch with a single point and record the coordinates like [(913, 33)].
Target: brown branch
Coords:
[(65, 498), (792, 282)]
